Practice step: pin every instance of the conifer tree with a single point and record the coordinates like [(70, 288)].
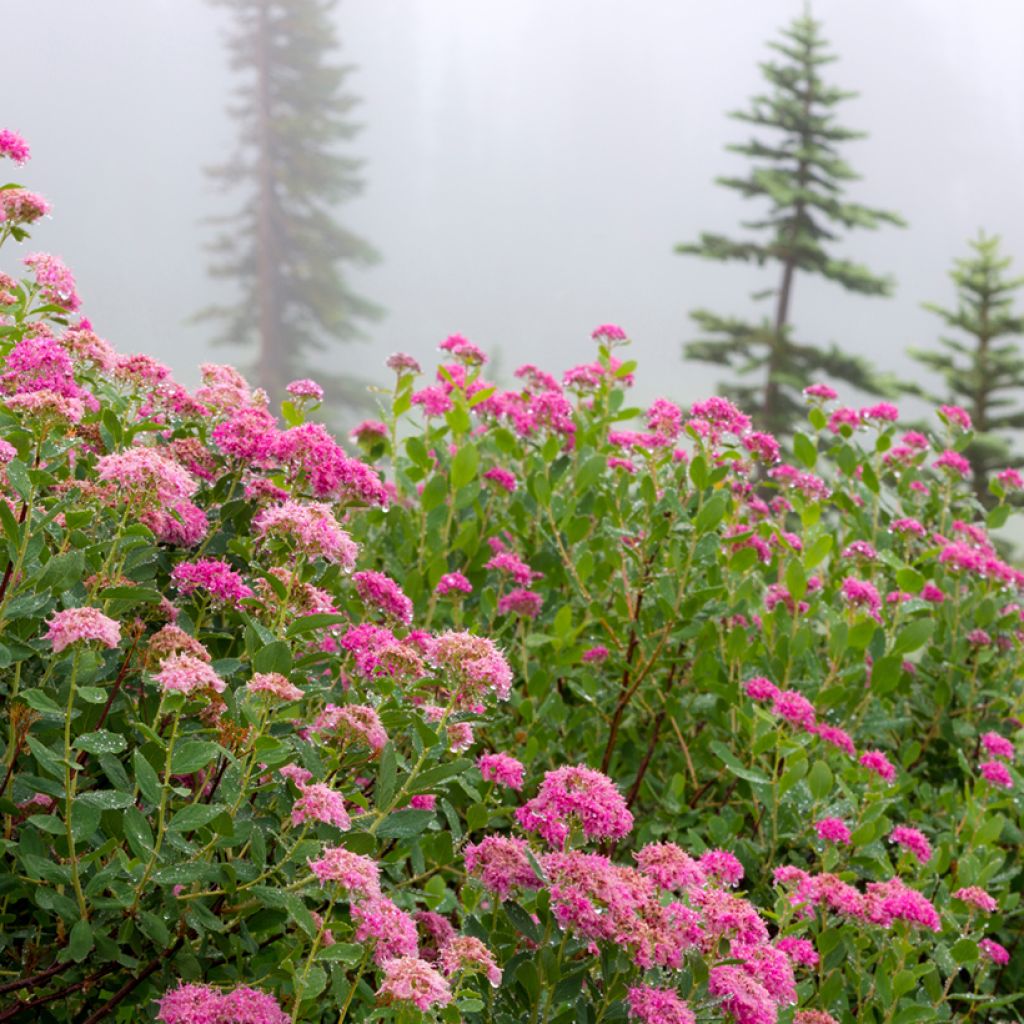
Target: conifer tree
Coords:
[(982, 368), (283, 248), (797, 170)]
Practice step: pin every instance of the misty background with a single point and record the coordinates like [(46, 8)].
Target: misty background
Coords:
[(529, 167)]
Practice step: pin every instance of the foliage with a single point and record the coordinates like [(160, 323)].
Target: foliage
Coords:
[(283, 249), (655, 727), (798, 171), (984, 374)]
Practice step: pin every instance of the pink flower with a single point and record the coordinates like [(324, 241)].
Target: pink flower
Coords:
[(1010, 479), (665, 418), (759, 688), (822, 391), (520, 602), (883, 411), (671, 867), (275, 684), (401, 363), (384, 593), (145, 478), (913, 840), (658, 1006), (183, 673), (930, 592), (460, 736), (407, 979), (503, 478), (860, 594), (886, 902), (318, 802), (837, 737), (954, 462), (305, 388), (908, 526), (576, 796), (465, 953), (608, 332), (434, 400), (977, 897), (502, 769), (596, 654), (201, 1004), (860, 549), (214, 576), (85, 625), (998, 746), (353, 721), (814, 1017), (501, 864), (423, 802), (744, 998), (843, 417), (954, 414), (472, 666), (721, 867), (249, 434), (514, 566), (13, 146), (875, 761), (795, 708), (453, 582), (996, 953), (393, 929), (311, 528), (297, 774), (369, 431), (19, 206), (358, 874), (996, 773), (833, 830), (55, 281), (800, 951)]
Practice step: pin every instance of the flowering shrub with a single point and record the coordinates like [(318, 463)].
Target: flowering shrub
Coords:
[(546, 708)]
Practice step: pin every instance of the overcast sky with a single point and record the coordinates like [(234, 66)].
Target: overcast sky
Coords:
[(530, 165)]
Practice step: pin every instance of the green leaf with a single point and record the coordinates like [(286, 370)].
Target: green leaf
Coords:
[(101, 742), (464, 465), (885, 673), (17, 477), (191, 755), (80, 941), (137, 832), (387, 775), (434, 493), (61, 571), (146, 777), (965, 951), (805, 450), (128, 596), (405, 824), (41, 702), (195, 816), (712, 513), (154, 929), (741, 771), (274, 657), (913, 635), (309, 623), (342, 952), (820, 780), (425, 781), (107, 799), (818, 551), (796, 580)]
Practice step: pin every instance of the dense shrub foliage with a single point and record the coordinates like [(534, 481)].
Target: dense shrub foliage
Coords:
[(544, 708)]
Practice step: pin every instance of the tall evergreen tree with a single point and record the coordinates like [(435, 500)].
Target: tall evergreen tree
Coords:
[(983, 369), (797, 170), (283, 248)]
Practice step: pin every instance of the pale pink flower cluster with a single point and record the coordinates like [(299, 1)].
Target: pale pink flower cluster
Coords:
[(82, 625), (800, 951), (392, 929), (355, 873), (55, 281), (274, 684), (412, 980), (576, 796), (977, 897), (657, 1006), (184, 673), (502, 865), (311, 528), (318, 802), (200, 1004), (379, 590), (473, 666), (526, 603), (465, 953), (145, 478), (353, 721), (20, 206), (502, 769), (305, 388)]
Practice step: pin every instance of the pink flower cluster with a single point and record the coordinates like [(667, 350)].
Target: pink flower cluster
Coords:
[(384, 593), (502, 769), (201, 1004), (82, 625), (213, 576)]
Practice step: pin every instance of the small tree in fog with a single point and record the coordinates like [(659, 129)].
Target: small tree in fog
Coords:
[(982, 368), (797, 171), (282, 247)]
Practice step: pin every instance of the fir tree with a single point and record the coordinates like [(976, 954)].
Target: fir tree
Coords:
[(984, 372), (283, 248), (796, 169)]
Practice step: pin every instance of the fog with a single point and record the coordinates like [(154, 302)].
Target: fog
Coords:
[(529, 166)]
